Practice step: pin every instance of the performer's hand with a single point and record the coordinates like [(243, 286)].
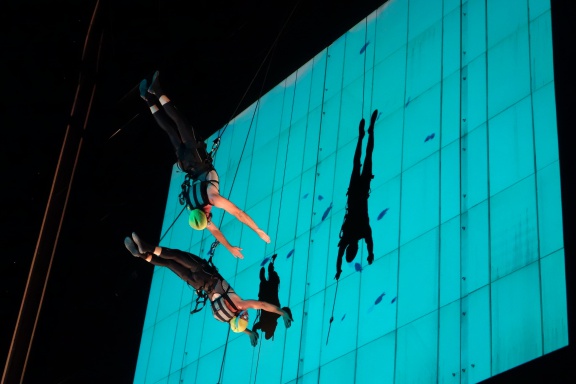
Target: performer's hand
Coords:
[(287, 319), (236, 252), (263, 235), (337, 275), (253, 338)]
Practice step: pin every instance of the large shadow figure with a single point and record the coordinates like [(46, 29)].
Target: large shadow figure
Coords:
[(268, 292), (356, 224)]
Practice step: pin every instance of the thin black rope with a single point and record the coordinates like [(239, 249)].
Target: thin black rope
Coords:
[(332, 315), (171, 225), (223, 358), (272, 47), (362, 116), (257, 362)]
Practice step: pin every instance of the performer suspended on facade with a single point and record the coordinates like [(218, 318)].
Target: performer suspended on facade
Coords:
[(227, 305), (200, 190)]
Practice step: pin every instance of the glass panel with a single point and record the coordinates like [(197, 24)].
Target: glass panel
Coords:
[(378, 299), (312, 333), (449, 344), (417, 346), (424, 66), (380, 354), (391, 28), (302, 97), (293, 158), (268, 122), (450, 261), (450, 108), (545, 130), (511, 152), (343, 330), (334, 68), (475, 336), (542, 69), (293, 366), (420, 196), (390, 83), (474, 243), (329, 129), (508, 72), (339, 371), (451, 45), (358, 53), (421, 127), (505, 18), (474, 168), (475, 95), (450, 181), (473, 30), (513, 229), (554, 311), (516, 319), (318, 78), (384, 212), (161, 348), (422, 14), (550, 210), (537, 7), (143, 362), (388, 140), (206, 372), (418, 277)]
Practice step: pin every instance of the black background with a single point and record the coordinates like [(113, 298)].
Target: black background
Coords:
[(214, 58)]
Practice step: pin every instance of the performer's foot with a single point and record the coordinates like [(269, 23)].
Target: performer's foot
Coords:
[(143, 247), (154, 87), (143, 88), (130, 246)]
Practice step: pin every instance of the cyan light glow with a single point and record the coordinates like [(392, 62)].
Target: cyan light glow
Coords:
[(468, 279)]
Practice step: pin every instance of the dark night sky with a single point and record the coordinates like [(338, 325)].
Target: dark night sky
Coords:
[(208, 53)]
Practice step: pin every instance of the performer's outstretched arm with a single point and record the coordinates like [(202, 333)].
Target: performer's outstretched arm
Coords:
[(215, 231), (221, 202)]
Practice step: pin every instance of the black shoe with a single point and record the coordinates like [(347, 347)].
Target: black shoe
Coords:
[(143, 88), (154, 87), (143, 247), (130, 246)]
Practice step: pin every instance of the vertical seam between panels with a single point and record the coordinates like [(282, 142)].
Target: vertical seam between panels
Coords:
[(401, 182), (489, 199), (532, 90)]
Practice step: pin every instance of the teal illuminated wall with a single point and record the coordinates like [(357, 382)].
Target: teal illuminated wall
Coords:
[(468, 278)]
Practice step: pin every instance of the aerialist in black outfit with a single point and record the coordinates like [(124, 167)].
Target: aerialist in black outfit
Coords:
[(356, 224), (226, 305), (197, 163)]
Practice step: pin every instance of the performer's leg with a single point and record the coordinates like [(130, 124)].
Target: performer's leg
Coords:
[(186, 131), (174, 266), (186, 259), (190, 261), (367, 169), (369, 245), (160, 116)]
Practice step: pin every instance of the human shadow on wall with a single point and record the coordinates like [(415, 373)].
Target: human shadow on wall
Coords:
[(268, 292), (356, 224)]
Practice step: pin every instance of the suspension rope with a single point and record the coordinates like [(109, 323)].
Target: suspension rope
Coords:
[(362, 116), (332, 316), (272, 47)]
